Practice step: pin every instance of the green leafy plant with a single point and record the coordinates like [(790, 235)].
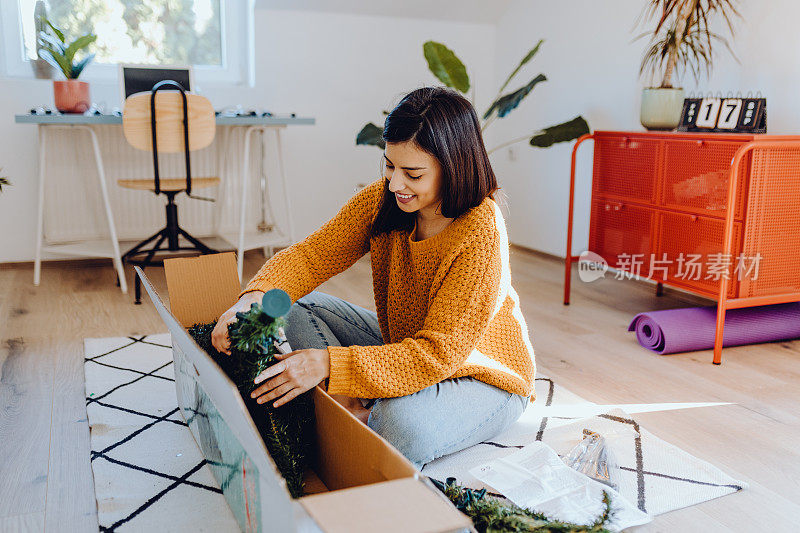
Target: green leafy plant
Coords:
[(54, 49), (682, 39), (448, 68)]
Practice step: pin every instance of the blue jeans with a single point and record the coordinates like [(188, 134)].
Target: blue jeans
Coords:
[(438, 420)]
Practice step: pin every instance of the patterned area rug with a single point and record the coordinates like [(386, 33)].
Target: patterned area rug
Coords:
[(654, 475), (150, 475)]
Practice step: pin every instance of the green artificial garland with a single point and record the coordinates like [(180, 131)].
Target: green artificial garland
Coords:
[(288, 430), (491, 515)]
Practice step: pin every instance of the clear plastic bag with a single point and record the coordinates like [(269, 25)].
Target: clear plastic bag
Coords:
[(593, 457)]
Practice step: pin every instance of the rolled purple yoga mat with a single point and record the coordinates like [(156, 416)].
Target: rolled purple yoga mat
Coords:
[(693, 328)]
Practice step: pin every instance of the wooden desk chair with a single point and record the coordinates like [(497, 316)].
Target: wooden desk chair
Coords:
[(167, 122)]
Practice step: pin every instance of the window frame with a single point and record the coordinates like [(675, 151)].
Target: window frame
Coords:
[(238, 46)]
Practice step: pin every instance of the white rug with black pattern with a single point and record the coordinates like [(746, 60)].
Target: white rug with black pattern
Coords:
[(653, 475), (149, 474)]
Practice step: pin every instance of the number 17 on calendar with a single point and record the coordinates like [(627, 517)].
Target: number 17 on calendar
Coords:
[(724, 115), (716, 113)]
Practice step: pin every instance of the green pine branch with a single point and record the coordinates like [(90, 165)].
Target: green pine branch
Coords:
[(491, 515), (288, 430)]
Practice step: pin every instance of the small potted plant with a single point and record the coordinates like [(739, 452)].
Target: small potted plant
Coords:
[(71, 95), (682, 40)]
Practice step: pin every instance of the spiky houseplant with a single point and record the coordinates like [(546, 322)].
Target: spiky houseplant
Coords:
[(682, 40), (448, 68), (288, 430), (682, 37), (71, 95)]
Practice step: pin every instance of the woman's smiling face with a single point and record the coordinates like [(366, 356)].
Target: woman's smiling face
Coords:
[(415, 178)]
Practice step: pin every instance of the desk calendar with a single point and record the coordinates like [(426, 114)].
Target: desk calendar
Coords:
[(724, 115)]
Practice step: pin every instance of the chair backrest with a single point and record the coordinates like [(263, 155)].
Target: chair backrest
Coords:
[(169, 121)]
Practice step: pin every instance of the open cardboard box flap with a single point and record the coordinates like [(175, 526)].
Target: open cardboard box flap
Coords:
[(372, 487)]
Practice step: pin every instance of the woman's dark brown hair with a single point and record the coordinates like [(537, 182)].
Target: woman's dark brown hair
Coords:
[(444, 124)]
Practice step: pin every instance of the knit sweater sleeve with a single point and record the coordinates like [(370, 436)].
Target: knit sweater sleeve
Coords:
[(459, 314), (333, 248)]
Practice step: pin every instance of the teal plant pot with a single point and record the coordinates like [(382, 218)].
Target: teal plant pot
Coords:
[(661, 108)]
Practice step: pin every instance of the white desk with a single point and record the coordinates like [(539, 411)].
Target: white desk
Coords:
[(245, 239)]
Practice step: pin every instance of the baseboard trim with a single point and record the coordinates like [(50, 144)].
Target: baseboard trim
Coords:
[(89, 261), (539, 253)]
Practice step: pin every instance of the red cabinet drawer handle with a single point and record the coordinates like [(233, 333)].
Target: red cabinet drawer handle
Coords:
[(694, 218), (700, 142)]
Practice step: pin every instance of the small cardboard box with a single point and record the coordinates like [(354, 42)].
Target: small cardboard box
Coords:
[(359, 481)]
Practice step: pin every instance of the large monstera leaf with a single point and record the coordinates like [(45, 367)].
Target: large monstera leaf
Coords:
[(567, 131), (444, 64), (508, 102), (371, 135)]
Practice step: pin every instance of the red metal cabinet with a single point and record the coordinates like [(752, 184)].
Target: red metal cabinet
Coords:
[(695, 176), (682, 237), (772, 228), (625, 167), (665, 197), (654, 194), (618, 229)]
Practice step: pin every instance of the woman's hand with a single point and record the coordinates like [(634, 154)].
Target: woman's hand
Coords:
[(295, 373), (219, 336)]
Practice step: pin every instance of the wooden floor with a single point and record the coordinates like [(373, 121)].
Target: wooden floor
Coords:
[(46, 479)]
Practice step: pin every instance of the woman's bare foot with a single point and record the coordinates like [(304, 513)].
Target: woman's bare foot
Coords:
[(353, 405)]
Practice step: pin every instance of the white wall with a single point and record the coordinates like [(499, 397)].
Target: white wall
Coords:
[(342, 69), (592, 68)]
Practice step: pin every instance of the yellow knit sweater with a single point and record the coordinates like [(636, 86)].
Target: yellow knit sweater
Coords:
[(445, 305)]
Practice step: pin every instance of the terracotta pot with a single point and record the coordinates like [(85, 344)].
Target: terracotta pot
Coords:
[(71, 96)]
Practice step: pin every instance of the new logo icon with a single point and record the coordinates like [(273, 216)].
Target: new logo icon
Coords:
[(591, 266)]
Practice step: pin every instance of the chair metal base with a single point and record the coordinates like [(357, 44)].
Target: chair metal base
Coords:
[(169, 234)]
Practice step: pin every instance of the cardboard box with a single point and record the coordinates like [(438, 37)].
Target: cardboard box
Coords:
[(359, 481)]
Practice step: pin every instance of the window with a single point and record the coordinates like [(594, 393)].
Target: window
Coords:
[(213, 35)]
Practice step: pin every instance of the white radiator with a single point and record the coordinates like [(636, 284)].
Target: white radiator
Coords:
[(73, 203)]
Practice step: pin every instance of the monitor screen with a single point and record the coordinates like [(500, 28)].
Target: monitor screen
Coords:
[(140, 79)]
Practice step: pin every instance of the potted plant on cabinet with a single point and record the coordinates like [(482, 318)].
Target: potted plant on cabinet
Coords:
[(70, 95), (682, 40)]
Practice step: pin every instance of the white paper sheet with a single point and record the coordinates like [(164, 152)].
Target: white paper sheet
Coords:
[(535, 477)]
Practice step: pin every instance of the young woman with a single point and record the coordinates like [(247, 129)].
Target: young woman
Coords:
[(446, 360)]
